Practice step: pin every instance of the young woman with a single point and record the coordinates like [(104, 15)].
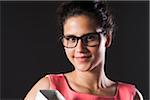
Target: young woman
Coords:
[(87, 29)]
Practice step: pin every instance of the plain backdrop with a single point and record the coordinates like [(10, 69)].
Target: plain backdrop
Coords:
[(30, 46)]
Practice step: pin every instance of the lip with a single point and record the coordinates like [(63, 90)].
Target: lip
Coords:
[(81, 55), (82, 58)]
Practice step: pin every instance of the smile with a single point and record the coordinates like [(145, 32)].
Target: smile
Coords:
[(82, 58)]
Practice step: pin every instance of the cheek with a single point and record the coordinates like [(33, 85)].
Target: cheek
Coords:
[(98, 52), (69, 53), (94, 50)]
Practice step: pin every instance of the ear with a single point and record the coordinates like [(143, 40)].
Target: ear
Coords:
[(108, 39)]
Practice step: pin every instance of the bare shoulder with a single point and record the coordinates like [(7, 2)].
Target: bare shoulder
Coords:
[(138, 95), (43, 83)]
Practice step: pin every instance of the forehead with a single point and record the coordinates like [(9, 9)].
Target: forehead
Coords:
[(79, 25)]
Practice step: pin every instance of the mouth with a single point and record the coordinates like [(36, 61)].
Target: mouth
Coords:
[(82, 58)]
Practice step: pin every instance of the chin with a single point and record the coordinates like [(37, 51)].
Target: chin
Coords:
[(83, 67)]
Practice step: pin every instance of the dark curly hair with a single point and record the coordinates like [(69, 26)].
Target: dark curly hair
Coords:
[(94, 9)]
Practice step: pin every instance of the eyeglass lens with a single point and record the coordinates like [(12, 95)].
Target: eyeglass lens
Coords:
[(90, 39)]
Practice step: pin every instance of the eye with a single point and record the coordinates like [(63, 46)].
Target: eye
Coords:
[(91, 37), (71, 38)]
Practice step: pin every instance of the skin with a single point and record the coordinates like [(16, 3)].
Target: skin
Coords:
[(88, 76)]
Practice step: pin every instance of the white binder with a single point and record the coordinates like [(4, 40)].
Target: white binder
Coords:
[(49, 95)]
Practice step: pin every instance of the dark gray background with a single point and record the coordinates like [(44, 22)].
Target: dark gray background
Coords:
[(30, 48)]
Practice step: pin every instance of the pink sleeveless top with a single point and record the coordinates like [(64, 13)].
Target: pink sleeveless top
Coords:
[(58, 82)]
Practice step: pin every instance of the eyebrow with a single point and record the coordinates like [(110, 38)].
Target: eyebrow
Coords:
[(82, 35), (70, 36)]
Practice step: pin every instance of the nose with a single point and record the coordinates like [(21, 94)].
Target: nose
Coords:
[(80, 47)]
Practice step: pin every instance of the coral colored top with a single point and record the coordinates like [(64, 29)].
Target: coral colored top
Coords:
[(58, 82)]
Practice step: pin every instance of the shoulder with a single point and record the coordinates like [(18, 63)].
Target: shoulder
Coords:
[(43, 83), (126, 86), (133, 90)]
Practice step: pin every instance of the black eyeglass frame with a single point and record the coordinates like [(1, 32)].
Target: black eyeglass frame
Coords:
[(82, 39)]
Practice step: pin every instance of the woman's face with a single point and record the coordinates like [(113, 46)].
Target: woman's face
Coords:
[(84, 58)]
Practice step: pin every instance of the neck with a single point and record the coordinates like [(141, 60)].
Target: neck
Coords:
[(93, 79)]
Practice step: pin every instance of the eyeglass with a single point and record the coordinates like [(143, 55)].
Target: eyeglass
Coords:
[(90, 39)]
